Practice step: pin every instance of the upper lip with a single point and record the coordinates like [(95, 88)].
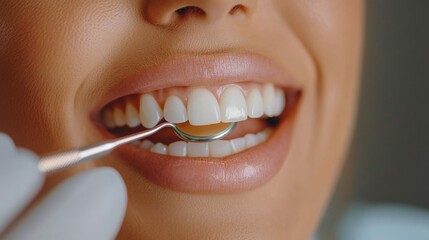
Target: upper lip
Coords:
[(198, 70)]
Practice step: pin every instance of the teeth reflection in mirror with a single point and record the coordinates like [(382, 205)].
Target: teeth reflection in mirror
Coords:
[(255, 104), (174, 110), (198, 149), (269, 99), (150, 112), (119, 117), (233, 107), (177, 149), (132, 115), (159, 148), (203, 108), (220, 148)]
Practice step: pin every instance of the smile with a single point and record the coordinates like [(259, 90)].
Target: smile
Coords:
[(204, 92), (235, 103)]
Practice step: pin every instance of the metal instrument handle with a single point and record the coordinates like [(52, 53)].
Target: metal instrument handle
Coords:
[(65, 159)]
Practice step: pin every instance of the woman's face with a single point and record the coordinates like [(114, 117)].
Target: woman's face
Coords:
[(76, 72)]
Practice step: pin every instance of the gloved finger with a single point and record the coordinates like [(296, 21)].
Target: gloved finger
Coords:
[(90, 205), (7, 147), (20, 180)]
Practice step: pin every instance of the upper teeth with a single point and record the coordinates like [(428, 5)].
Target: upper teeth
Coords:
[(175, 110), (150, 112), (233, 105), (202, 107)]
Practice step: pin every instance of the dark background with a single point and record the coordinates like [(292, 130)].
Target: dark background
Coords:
[(389, 157), (391, 144)]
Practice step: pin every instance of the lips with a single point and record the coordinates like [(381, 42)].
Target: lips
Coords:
[(249, 158)]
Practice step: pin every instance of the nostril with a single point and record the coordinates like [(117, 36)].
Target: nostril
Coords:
[(162, 13), (237, 9), (190, 10)]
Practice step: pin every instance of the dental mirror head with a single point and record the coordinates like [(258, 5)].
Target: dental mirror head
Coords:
[(205, 133)]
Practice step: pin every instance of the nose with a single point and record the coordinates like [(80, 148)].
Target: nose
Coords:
[(173, 12)]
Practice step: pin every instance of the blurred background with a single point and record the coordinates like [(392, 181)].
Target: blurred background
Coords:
[(383, 192)]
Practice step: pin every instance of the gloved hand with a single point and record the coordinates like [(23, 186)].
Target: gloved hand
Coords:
[(90, 205)]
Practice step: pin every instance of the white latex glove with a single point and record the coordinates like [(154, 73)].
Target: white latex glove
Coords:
[(90, 205)]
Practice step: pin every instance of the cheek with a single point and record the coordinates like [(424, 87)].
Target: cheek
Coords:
[(331, 31), (46, 52)]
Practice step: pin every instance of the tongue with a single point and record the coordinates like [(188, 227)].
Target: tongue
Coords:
[(168, 136)]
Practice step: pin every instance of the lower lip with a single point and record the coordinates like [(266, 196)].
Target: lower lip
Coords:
[(239, 172)]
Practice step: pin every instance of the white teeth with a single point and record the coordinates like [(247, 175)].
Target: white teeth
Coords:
[(251, 140), (217, 149), (198, 149), (233, 107), (280, 101), (159, 148), (174, 110), (178, 149), (150, 112), (119, 117), (108, 118), (264, 135), (203, 108), (220, 148), (238, 144), (132, 115), (255, 104), (146, 144), (269, 99)]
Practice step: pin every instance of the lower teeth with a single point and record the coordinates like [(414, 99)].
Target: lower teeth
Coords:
[(218, 148)]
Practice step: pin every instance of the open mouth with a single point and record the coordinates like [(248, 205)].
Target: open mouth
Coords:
[(260, 109), (204, 107)]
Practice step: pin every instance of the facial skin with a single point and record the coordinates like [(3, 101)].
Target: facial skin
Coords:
[(55, 56)]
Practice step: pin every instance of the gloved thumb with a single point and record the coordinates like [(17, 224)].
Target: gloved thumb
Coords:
[(90, 205)]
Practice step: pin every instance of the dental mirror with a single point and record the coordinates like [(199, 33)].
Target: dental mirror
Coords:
[(203, 133), (184, 131)]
